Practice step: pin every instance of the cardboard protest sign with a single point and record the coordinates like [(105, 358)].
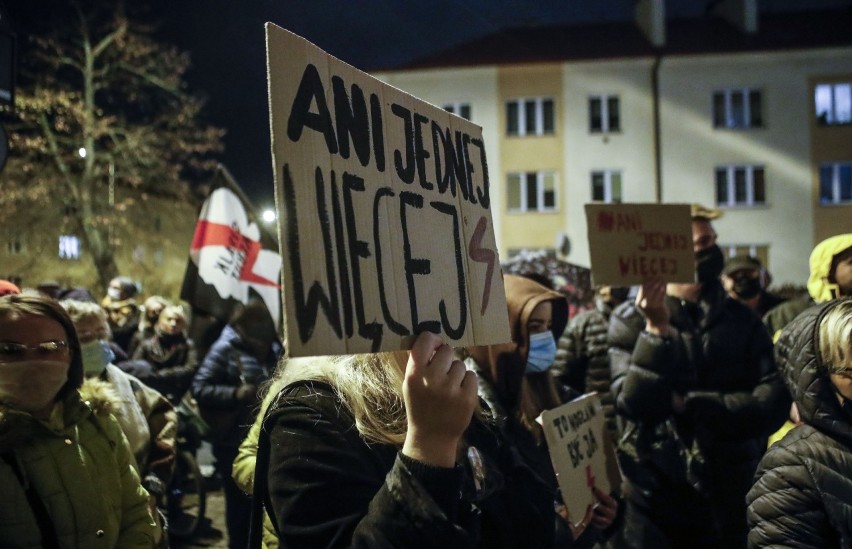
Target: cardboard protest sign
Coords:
[(384, 211), (629, 243), (582, 453)]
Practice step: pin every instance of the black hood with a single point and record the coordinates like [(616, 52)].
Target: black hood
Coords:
[(799, 362)]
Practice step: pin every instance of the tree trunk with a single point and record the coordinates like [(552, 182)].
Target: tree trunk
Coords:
[(102, 255)]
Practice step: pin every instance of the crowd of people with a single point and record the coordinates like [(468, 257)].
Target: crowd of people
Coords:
[(436, 446)]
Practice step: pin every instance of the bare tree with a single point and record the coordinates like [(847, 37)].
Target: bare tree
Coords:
[(102, 104)]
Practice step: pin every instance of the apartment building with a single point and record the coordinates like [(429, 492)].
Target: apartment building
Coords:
[(748, 112)]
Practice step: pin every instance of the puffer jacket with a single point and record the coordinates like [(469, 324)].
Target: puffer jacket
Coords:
[(78, 465), (582, 362), (719, 358), (226, 366), (802, 495)]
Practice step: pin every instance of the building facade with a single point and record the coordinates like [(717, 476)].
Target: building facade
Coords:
[(749, 114)]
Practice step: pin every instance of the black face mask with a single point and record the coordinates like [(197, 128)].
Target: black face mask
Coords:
[(619, 294), (709, 264), (746, 288)]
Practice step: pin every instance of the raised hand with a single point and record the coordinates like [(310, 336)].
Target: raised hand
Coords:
[(651, 300), (440, 396)]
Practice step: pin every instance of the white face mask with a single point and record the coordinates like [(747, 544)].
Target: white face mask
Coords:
[(31, 385), (114, 294)]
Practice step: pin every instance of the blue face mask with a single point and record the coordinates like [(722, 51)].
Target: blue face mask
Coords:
[(96, 355), (542, 352)]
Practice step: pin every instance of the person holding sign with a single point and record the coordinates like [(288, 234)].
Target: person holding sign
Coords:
[(516, 386), (696, 385), (379, 450)]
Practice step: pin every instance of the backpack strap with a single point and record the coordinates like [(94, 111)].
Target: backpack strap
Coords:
[(45, 524)]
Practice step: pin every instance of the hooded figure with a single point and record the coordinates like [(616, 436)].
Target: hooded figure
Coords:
[(829, 258), (515, 386), (501, 368), (802, 494)]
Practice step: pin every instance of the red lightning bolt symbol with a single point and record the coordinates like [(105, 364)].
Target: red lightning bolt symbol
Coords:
[(482, 255)]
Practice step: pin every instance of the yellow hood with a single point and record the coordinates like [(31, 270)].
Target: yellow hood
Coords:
[(819, 287)]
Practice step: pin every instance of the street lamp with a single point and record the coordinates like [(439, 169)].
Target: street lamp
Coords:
[(82, 152), (268, 216)]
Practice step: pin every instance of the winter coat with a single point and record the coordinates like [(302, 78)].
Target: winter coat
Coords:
[(802, 495), (146, 418), (79, 467), (244, 467), (123, 317), (498, 366), (330, 488), (719, 359), (173, 363), (819, 286), (228, 365), (582, 362)]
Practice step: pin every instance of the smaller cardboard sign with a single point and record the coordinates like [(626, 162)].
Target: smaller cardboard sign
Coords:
[(582, 453), (630, 243)]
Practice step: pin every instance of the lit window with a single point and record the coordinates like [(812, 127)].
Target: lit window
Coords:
[(69, 247), (835, 183), (530, 116), (739, 108), (833, 104), (740, 186), (604, 114), (461, 109), (606, 186), (532, 192)]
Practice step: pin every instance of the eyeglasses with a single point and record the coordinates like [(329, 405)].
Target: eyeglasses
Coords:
[(11, 351)]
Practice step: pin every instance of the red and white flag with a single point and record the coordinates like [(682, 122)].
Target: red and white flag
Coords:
[(232, 259)]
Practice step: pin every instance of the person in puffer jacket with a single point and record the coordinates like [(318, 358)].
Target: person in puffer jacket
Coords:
[(696, 386), (802, 496)]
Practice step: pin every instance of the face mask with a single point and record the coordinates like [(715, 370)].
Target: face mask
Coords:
[(709, 264), (747, 288), (114, 294), (542, 352), (31, 385), (96, 356)]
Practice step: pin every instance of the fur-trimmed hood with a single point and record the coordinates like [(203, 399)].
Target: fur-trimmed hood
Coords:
[(17, 428), (100, 396)]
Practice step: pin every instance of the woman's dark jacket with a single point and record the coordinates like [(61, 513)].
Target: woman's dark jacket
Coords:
[(582, 362), (802, 496), (173, 363), (330, 488), (719, 358), (228, 365)]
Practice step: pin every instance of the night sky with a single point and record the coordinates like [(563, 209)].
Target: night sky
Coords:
[(226, 41)]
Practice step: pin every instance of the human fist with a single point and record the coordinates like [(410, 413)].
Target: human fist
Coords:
[(440, 396)]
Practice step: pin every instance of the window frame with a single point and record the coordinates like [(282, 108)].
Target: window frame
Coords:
[(456, 108), (731, 185), (833, 99), (607, 185), (836, 190), (523, 179), (728, 121), (606, 117), (540, 125)]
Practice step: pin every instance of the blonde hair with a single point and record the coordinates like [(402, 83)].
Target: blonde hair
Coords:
[(368, 385), (80, 311), (835, 337)]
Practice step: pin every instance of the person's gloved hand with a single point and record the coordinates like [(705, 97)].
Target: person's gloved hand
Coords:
[(246, 392), (704, 406)]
